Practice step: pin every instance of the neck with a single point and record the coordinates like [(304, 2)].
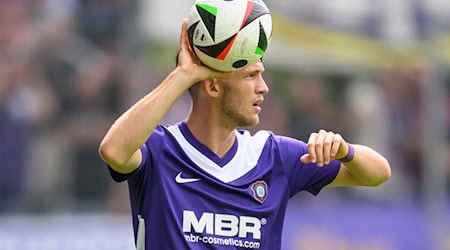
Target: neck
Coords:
[(218, 138)]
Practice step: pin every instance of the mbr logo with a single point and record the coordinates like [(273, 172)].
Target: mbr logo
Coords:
[(222, 224)]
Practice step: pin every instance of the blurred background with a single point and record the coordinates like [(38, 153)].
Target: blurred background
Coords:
[(376, 71)]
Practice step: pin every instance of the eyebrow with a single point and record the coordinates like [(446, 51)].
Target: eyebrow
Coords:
[(258, 70)]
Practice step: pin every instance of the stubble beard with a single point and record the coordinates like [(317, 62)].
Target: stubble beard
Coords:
[(233, 118)]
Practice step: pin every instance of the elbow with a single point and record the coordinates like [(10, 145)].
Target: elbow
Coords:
[(383, 174), (109, 155), (105, 152), (379, 181)]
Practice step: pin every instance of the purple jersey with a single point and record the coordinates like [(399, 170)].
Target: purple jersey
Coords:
[(183, 196)]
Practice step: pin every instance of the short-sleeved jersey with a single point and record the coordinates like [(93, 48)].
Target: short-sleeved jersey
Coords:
[(183, 196)]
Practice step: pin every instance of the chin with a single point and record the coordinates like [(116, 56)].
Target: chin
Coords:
[(256, 122), (250, 122)]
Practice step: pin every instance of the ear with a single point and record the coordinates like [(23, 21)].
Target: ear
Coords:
[(212, 87)]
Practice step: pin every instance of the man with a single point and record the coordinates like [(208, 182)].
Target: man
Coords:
[(205, 184)]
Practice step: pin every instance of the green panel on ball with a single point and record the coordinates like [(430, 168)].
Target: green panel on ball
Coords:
[(209, 8), (262, 41)]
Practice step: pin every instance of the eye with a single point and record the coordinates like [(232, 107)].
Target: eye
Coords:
[(251, 76)]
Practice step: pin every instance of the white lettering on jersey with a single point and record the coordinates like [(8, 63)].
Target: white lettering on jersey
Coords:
[(190, 221), (222, 224)]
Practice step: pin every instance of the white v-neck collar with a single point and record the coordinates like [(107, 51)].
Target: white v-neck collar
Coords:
[(249, 149)]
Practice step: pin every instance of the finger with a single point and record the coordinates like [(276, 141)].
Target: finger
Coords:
[(306, 158), (318, 147), (224, 74), (337, 141), (327, 147), (183, 33), (185, 52), (181, 54), (311, 147)]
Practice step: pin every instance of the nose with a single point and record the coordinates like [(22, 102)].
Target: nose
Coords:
[(262, 87)]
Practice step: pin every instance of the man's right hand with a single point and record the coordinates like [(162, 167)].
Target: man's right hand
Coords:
[(189, 63)]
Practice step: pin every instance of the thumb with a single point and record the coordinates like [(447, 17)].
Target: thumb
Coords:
[(306, 158)]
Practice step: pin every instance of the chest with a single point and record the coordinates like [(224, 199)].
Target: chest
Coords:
[(260, 190)]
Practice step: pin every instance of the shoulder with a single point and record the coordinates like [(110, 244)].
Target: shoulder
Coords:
[(267, 135), (163, 131), (161, 137), (261, 135), (266, 138)]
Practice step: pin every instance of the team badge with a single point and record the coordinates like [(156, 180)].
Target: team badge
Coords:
[(260, 191)]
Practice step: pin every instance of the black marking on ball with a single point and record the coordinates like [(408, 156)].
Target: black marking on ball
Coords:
[(209, 20), (257, 11), (240, 64), (215, 49), (262, 41)]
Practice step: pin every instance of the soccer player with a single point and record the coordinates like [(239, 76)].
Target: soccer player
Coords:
[(205, 182)]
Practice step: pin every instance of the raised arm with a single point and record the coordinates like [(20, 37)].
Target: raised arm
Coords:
[(363, 167), (120, 147)]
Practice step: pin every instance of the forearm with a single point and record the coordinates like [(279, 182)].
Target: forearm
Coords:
[(133, 127), (368, 167)]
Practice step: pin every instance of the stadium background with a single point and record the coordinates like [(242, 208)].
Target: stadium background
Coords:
[(376, 71)]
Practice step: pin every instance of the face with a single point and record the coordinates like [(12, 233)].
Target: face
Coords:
[(242, 95)]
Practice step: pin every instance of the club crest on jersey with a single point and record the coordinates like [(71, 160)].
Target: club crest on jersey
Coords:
[(260, 191)]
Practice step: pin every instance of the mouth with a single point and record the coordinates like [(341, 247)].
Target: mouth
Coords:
[(258, 103)]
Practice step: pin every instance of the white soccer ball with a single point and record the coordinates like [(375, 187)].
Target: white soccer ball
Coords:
[(228, 35)]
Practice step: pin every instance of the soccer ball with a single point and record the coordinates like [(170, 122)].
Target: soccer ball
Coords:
[(228, 35)]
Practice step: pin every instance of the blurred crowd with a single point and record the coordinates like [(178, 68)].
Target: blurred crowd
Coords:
[(68, 68), (64, 77)]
